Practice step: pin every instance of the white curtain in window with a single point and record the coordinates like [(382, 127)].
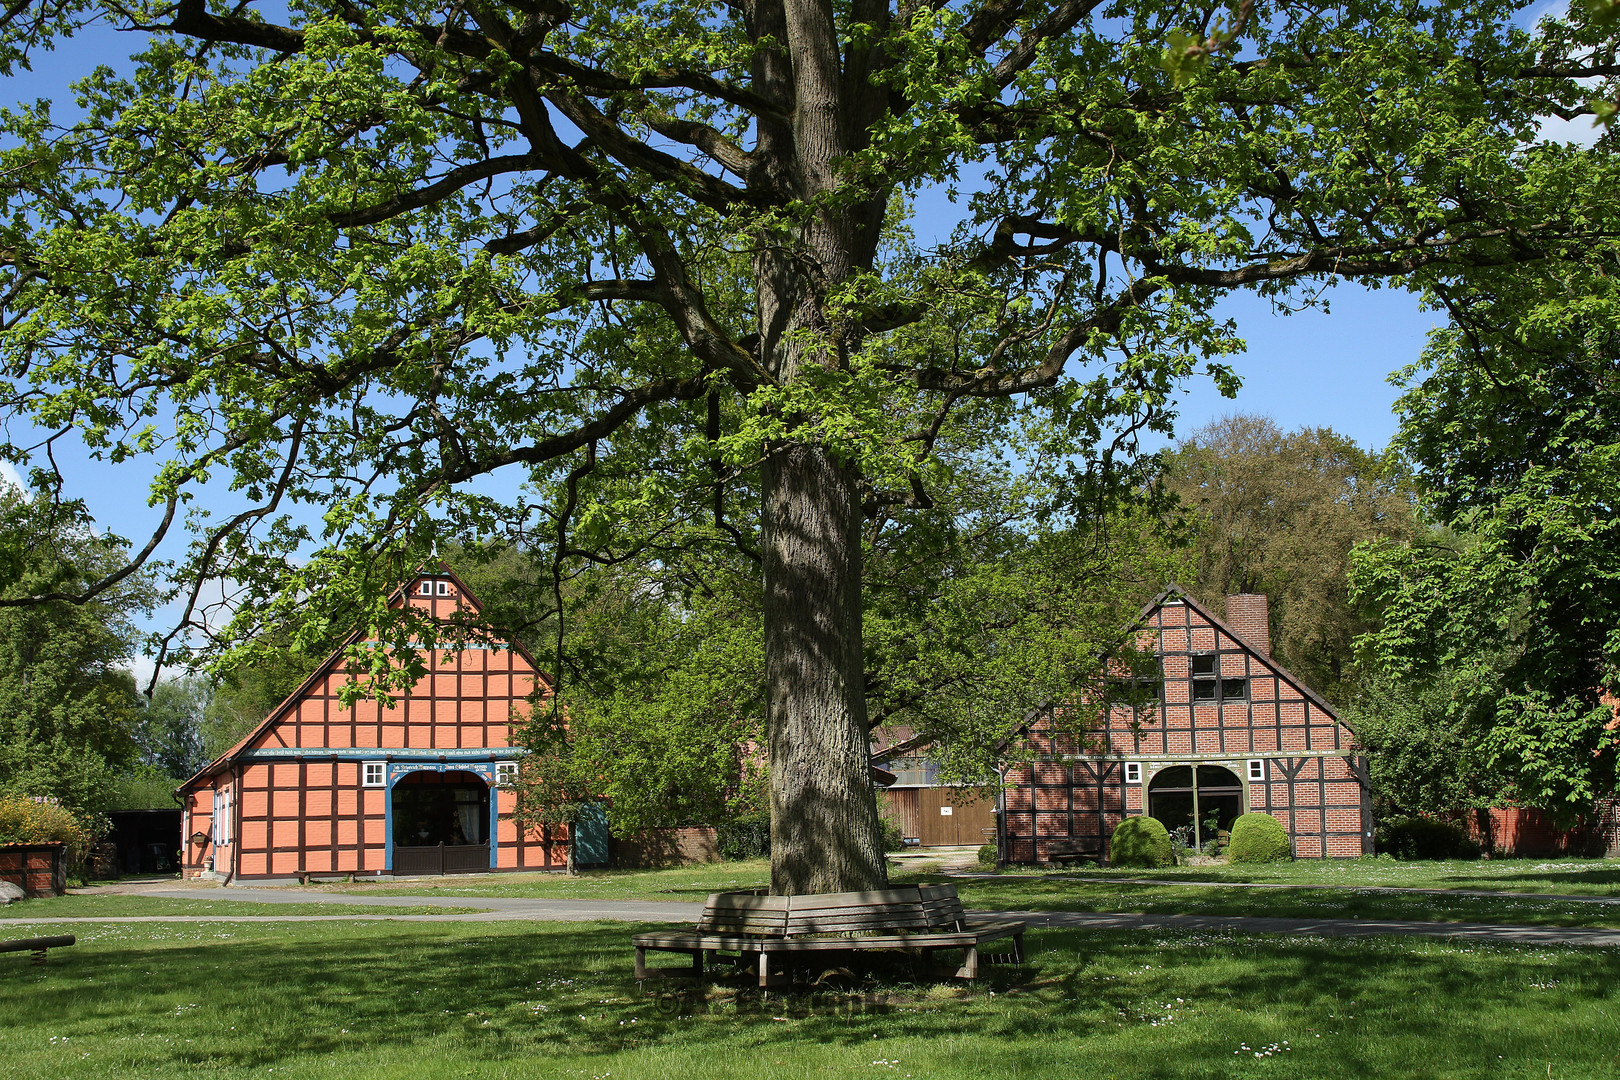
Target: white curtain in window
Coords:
[(470, 822)]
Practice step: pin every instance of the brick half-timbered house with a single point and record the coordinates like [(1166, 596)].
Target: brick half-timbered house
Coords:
[(320, 789), (1231, 731)]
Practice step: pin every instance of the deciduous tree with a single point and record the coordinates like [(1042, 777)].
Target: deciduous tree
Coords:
[(364, 254), (1278, 513), (68, 708), (1512, 423)]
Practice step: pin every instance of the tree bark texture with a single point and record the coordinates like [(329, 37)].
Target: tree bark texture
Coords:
[(824, 824)]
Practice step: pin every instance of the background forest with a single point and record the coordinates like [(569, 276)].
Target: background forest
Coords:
[(999, 602)]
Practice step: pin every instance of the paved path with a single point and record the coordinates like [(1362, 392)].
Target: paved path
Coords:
[(504, 909)]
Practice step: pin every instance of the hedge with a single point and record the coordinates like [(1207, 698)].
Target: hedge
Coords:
[(1425, 838)]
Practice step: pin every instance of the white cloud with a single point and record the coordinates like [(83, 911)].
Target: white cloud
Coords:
[(1580, 131), (140, 667), (10, 475)]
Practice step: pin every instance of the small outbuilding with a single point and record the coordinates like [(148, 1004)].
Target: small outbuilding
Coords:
[(323, 790), (1231, 731)]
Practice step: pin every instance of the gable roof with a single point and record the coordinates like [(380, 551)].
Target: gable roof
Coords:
[(1174, 593), (326, 666)]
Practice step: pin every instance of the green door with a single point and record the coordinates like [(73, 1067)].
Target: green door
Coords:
[(591, 833)]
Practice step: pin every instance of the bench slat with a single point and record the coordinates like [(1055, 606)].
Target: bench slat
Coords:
[(914, 918), (945, 940)]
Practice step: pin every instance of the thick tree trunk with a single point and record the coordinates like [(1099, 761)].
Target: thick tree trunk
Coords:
[(824, 823)]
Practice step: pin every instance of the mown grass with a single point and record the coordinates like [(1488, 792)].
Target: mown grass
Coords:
[(1316, 889), (1589, 877), (84, 907), (1193, 899), (677, 883), (514, 1000)]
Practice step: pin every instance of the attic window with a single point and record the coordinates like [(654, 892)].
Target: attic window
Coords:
[(443, 588), (1209, 686), (426, 589)]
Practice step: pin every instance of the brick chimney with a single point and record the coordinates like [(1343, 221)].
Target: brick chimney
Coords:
[(1250, 615)]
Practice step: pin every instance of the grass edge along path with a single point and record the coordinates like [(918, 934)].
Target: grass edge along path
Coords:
[(364, 1000)]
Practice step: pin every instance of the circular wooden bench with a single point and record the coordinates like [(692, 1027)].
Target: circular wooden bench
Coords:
[(915, 918)]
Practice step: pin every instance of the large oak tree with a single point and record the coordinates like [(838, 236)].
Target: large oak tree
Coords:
[(362, 254)]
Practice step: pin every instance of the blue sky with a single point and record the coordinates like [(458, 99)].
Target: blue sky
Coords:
[(1314, 368)]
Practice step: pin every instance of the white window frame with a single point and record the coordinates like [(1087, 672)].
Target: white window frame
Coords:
[(366, 776), (442, 588), (426, 589), (505, 773), (1257, 769), (220, 827), (1133, 772)]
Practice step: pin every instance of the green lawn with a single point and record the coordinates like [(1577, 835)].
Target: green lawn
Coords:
[(1036, 894), (503, 1000), (1590, 877), (1318, 889), (678, 883), (82, 907)]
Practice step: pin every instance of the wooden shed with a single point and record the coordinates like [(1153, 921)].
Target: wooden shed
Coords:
[(1231, 731), (323, 790)]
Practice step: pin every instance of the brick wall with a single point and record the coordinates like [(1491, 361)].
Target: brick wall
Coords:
[(38, 869), (1223, 702)]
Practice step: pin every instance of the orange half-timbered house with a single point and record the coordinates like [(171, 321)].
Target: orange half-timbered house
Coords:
[(1231, 731), (320, 789)]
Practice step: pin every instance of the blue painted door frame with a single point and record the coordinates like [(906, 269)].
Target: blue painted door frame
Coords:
[(398, 770)]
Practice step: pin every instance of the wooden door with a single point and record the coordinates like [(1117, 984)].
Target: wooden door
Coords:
[(900, 804), (956, 817)]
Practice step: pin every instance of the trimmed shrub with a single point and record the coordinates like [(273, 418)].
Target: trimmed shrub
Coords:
[(1258, 838), (987, 855), (1412, 838), (1140, 841)]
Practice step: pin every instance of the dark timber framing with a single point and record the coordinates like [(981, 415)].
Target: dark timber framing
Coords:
[(1072, 784), (299, 802)]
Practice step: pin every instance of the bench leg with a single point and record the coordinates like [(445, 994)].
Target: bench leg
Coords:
[(697, 962), (764, 970), (970, 963), (641, 962), (1018, 948)]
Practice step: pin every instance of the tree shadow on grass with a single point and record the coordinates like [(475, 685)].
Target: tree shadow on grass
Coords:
[(1550, 877), (490, 994)]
